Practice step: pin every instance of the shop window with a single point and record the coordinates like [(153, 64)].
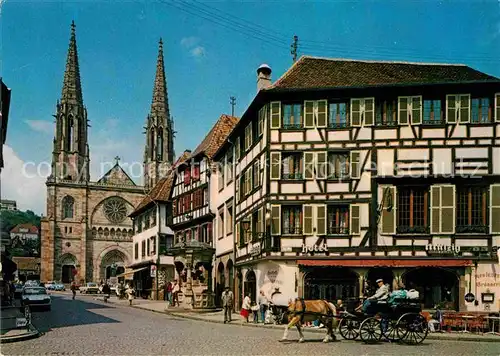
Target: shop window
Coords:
[(472, 209), (413, 210)]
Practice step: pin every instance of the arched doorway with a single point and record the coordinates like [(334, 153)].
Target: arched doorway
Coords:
[(68, 268), (331, 283), (375, 273), (436, 286), (230, 274), (250, 287), (112, 264)]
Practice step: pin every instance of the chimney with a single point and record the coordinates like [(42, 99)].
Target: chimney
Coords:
[(263, 77)]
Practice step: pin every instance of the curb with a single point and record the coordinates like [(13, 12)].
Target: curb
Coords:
[(34, 333), (272, 326)]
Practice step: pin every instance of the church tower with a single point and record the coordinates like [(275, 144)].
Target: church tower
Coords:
[(70, 156), (159, 150)]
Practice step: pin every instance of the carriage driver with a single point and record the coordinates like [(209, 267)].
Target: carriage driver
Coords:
[(382, 293)]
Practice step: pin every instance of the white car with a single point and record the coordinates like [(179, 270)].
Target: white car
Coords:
[(36, 297), (89, 288)]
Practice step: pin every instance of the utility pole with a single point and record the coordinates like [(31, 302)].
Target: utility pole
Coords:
[(294, 47), (233, 103)]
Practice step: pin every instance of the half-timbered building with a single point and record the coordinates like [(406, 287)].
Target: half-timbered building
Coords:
[(193, 217), (348, 171)]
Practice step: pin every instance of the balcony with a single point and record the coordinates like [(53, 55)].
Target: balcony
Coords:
[(404, 229)]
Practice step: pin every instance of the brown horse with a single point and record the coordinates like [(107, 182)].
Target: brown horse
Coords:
[(300, 311)]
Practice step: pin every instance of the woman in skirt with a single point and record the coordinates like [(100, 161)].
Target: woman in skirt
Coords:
[(245, 308)]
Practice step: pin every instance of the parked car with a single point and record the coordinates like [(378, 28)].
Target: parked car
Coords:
[(50, 285), (36, 297), (89, 288), (58, 287)]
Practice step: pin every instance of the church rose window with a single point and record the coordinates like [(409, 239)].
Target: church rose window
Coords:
[(115, 210)]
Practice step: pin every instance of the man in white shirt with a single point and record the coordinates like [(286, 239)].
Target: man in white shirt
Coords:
[(382, 293)]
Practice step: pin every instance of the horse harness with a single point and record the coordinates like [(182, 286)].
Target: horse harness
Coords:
[(304, 311)]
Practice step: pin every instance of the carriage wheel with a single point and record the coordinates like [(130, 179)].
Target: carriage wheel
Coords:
[(415, 326), (391, 331), (370, 330), (349, 328)]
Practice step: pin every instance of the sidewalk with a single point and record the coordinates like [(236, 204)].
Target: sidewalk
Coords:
[(10, 332), (218, 317)]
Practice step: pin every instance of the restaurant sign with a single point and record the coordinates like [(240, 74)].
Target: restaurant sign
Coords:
[(255, 250), (442, 249), (315, 248)]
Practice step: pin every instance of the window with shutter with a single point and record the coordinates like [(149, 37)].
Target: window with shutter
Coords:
[(237, 149), (472, 209), (448, 209), (308, 165), (497, 107), (308, 219), (221, 168), (309, 113), (275, 114), (338, 219), (248, 136), (260, 222), (320, 220), (389, 210), (321, 165), (322, 113), (260, 124), (355, 164), (256, 174), (355, 212), (458, 108), (356, 112), (464, 108), (369, 111), (187, 176), (495, 209), (275, 165), (275, 219), (416, 110), (451, 108), (435, 209), (403, 110)]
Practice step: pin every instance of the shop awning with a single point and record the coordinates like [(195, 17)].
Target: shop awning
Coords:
[(389, 263), (130, 274)]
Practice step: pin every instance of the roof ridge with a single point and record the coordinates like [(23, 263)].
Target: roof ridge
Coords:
[(381, 61)]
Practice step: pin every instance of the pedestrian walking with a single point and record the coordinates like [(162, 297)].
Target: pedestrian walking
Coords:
[(73, 289), (130, 294), (168, 292), (264, 306), (106, 291), (227, 304), (175, 290), (245, 308)]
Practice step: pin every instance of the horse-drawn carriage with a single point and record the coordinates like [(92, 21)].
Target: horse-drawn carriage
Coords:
[(396, 320)]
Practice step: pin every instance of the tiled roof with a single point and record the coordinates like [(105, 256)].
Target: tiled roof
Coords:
[(217, 135), (313, 72), (32, 229), (160, 192)]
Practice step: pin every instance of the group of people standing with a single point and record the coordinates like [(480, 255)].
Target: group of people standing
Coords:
[(171, 292), (261, 306)]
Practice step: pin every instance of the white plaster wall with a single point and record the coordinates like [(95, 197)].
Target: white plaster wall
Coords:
[(481, 131), (433, 133), (413, 154), (313, 136), (291, 188), (390, 134), (337, 187), (441, 161), (291, 136), (471, 152), (385, 162), (142, 236), (338, 136), (484, 279)]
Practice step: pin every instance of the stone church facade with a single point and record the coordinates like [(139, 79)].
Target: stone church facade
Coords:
[(86, 232)]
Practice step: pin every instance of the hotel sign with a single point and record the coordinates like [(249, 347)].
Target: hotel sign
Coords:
[(315, 248)]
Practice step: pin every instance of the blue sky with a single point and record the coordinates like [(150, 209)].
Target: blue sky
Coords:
[(206, 63)]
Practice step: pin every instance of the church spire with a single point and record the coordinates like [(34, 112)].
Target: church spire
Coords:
[(72, 87), (159, 149), (159, 104)]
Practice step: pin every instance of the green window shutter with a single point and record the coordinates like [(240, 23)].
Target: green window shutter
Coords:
[(320, 219), (309, 113), (275, 165), (239, 236), (451, 108), (237, 149), (308, 165), (308, 219), (260, 225), (448, 209), (495, 208), (276, 219), (416, 110), (403, 110), (354, 219), (275, 114), (356, 112), (389, 211), (321, 165), (242, 187), (322, 113), (355, 165), (464, 108), (435, 209), (497, 107), (369, 111)]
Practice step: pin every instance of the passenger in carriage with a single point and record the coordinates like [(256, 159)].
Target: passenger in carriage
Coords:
[(381, 294)]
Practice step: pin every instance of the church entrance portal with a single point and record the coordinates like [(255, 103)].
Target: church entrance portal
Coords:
[(112, 264), (68, 268)]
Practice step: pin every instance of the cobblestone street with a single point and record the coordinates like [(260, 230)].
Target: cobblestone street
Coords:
[(86, 326)]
